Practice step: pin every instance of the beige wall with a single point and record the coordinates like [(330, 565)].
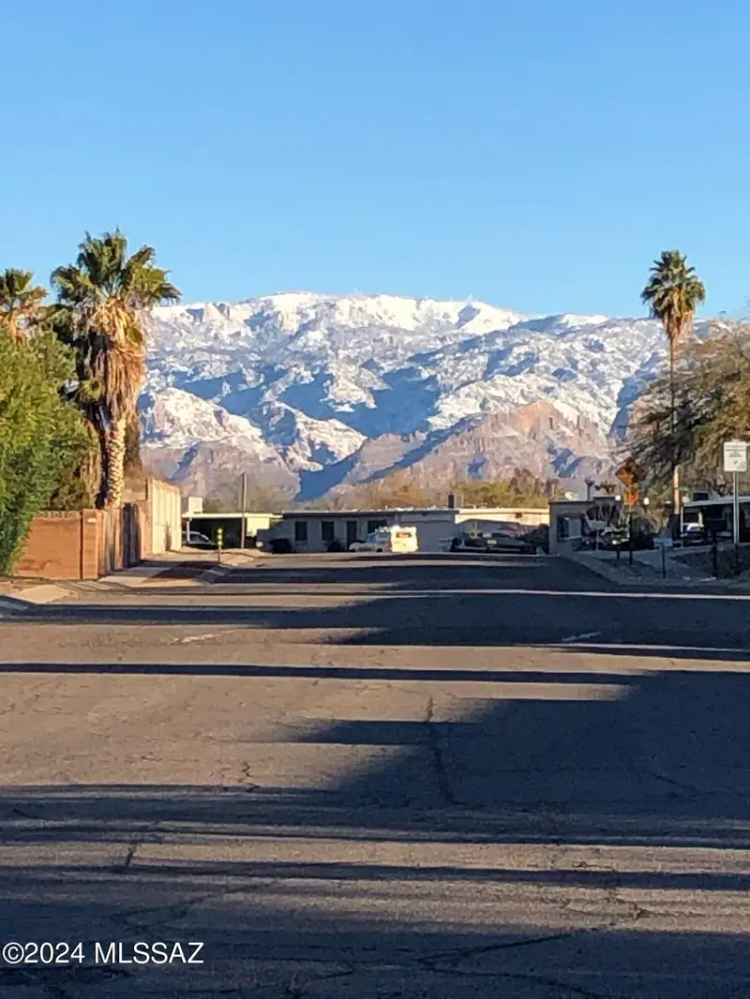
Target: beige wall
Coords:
[(165, 516)]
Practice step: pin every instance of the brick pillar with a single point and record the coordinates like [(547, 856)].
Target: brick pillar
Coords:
[(90, 542)]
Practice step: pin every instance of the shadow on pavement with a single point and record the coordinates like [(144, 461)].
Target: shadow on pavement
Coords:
[(668, 624), (531, 846), (553, 833)]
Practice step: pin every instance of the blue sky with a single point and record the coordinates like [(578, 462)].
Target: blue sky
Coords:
[(538, 156)]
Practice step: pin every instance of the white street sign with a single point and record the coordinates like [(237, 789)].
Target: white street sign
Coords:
[(735, 456)]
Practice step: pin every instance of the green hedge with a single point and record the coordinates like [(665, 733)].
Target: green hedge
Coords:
[(42, 438)]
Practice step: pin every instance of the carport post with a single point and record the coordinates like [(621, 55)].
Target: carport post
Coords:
[(630, 535), (243, 526), (715, 554)]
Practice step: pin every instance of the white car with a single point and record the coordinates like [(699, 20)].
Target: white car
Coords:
[(197, 540), (388, 539)]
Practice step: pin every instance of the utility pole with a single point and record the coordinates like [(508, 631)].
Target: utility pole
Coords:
[(243, 526)]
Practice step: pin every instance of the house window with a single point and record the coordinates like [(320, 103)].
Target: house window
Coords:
[(300, 530), (351, 531), (326, 530), (374, 525)]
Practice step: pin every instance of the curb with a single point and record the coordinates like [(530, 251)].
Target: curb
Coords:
[(613, 576), (214, 574), (134, 576), (20, 601), (12, 605)]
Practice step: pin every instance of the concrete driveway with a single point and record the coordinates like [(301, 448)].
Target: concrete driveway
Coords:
[(380, 777)]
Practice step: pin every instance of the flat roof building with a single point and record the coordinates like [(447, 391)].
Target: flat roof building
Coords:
[(325, 530), (332, 530), (231, 525)]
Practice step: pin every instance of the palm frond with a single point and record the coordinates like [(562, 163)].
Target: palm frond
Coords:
[(673, 293), (20, 302)]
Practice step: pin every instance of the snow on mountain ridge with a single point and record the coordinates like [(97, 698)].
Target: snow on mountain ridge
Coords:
[(312, 377), (295, 309)]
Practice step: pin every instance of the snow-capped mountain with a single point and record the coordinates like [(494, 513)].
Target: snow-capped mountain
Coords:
[(309, 392)]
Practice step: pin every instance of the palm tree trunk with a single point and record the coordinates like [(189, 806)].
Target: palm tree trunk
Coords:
[(676, 498), (92, 465), (115, 462)]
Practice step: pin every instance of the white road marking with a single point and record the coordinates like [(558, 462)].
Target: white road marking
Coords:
[(579, 638), (193, 638), (285, 589), (640, 647)]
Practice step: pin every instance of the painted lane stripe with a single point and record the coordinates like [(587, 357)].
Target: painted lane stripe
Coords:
[(578, 638), (223, 590)]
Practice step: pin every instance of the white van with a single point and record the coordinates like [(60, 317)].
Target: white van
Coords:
[(398, 540)]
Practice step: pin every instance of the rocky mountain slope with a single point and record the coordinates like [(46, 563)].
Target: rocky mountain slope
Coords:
[(309, 393)]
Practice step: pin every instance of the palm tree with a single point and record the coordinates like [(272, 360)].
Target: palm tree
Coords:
[(672, 294), (101, 302), (20, 302)]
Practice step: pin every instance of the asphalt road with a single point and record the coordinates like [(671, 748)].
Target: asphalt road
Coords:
[(380, 777)]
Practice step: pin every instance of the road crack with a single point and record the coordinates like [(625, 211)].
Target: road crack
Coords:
[(438, 760), (245, 779)]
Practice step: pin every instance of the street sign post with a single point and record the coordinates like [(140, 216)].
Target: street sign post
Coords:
[(735, 460)]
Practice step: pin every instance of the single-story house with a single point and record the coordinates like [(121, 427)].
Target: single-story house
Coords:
[(573, 520), (317, 530)]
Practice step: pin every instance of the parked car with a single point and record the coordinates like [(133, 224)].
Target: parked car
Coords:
[(620, 539), (538, 537), (501, 541), (498, 541), (470, 543), (693, 534), (610, 539), (388, 539), (281, 546), (194, 539)]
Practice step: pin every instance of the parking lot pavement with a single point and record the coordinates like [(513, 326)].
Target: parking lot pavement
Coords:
[(338, 799)]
